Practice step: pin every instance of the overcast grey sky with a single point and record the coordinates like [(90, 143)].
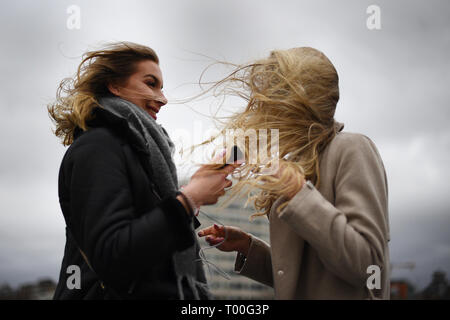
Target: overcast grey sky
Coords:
[(394, 89)]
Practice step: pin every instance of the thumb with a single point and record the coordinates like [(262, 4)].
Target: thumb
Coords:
[(219, 229)]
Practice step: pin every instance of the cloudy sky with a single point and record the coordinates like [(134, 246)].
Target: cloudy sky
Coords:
[(394, 89)]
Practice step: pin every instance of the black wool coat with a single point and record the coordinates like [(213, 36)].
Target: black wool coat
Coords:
[(114, 214)]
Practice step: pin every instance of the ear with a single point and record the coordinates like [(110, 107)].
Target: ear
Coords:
[(113, 88)]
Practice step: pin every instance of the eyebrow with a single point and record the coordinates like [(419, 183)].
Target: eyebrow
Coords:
[(154, 77)]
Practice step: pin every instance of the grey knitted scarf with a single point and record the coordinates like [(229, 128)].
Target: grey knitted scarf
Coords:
[(154, 138)]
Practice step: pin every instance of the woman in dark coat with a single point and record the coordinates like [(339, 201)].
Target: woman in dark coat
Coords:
[(129, 230)]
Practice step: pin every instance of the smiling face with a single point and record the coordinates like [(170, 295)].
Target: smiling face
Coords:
[(143, 88)]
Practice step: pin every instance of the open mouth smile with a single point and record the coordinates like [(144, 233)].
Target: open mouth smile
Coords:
[(152, 111)]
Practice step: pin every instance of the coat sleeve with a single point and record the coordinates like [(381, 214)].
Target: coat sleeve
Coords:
[(352, 234), (119, 245), (258, 263)]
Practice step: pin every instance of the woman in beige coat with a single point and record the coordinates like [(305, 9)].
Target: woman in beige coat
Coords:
[(327, 204)]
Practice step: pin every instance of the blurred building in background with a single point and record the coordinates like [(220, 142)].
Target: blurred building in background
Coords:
[(234, 286), (402, 289), (41, 290), (437, 289)]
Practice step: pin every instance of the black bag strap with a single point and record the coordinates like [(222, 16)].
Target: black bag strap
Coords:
[(85, 258)]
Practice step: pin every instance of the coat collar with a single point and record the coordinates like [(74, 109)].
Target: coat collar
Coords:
[(338, 125)]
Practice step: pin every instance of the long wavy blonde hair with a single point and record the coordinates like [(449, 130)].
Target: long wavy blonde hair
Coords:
[(77, 96), (295, 91)]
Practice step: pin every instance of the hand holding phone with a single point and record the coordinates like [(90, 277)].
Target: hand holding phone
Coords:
[(236, 156)]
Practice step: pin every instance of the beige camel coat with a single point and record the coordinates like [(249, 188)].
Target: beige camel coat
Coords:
[(323, 242)]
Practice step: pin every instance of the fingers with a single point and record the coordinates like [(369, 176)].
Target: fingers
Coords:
[(215, 230), (228, 169), (209, 169), (219, 229), (214, 241), (218, 237), (206, 231), (221, 191), (228, 183)]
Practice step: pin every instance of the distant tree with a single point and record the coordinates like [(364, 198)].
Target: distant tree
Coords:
[(46, 283), (6, 292), (42, 289), (25, 292), (438, 288)]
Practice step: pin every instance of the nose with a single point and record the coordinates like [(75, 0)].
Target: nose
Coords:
[(161, 100)]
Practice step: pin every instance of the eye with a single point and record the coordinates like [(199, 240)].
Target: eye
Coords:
[(151, 84)]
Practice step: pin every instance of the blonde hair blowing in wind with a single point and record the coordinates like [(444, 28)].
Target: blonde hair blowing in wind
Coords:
[(296, 92)]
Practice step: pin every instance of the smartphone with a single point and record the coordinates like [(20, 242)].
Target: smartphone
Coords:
[(236, 154)]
